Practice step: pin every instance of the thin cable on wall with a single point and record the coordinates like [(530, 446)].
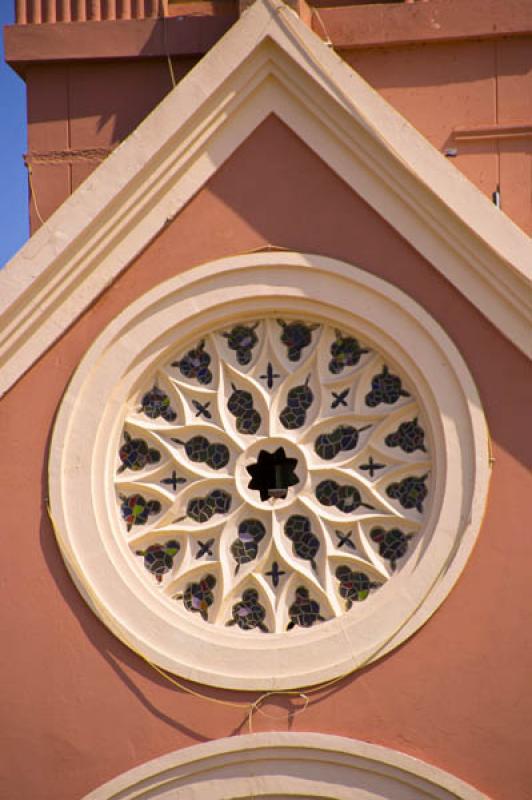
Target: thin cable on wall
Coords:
[(166, 48), (33, 194), (328, 41)]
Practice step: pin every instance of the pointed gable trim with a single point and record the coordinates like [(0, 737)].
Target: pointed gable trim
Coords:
[(269, 62)]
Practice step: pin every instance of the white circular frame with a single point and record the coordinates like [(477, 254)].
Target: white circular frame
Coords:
[(206, 298), (279, 766)]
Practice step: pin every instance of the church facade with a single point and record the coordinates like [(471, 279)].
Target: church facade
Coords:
[(265, 394)]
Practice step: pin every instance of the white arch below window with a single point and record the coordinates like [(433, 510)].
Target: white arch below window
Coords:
[(280, 766)]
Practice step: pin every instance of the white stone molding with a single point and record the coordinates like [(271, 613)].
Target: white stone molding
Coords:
[(87, 477), (279, 766), (268, 63)]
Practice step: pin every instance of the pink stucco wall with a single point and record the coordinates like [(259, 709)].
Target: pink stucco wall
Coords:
[(79, 708), (450, 87)]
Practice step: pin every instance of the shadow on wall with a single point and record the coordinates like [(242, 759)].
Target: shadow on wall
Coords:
[(103, 101)]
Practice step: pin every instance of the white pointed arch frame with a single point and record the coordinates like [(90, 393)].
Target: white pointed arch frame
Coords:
[(279, 766), (206, 298)]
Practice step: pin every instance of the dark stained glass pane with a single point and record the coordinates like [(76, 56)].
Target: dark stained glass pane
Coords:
[(345, 352), (342, 438), (385, 388), (240, 404), (156, 403), (195, 364), (135, 509), (249, 613), (298, 401), (305, 544), (201, 509), (346, 498), (304, 611), (135, 454), (296, 336), (159, 558), (354, 586), (246, 546), (198, 596), (242, 339), (409, 436), (393, 544), (410, 492)]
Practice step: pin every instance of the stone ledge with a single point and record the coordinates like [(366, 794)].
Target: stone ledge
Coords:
[(347, 27), (114, 39), (357, 27)]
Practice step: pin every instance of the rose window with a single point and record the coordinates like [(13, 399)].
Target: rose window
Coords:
[(268, 471), (272, 475)]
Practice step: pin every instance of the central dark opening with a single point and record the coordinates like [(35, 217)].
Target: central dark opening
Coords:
[(272, 474)]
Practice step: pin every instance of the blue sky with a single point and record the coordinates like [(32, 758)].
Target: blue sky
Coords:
[(13, 178)]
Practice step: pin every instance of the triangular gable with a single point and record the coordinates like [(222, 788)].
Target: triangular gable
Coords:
[(269, 62)]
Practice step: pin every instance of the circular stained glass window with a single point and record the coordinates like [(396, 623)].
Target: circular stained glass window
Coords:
[(273, 474), (269, 471)]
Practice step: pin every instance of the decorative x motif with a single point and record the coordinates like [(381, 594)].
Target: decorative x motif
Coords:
[(344, 538), (339, 398), (205, 548), (201, 409)]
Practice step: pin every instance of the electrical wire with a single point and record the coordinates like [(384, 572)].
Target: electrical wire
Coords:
[(33, 194)]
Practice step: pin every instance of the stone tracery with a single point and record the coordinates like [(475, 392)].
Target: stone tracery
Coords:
[(273, 474)]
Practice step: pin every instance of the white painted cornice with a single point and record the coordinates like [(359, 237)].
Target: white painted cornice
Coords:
[(269, 62)]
